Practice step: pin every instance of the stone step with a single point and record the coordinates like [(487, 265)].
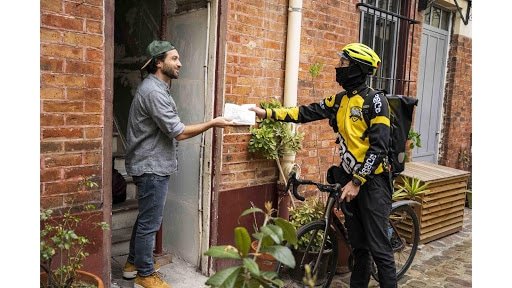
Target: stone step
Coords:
[(124, 214)]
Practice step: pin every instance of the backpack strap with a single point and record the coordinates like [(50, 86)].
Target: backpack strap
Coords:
[(337, 102), (366, 108)]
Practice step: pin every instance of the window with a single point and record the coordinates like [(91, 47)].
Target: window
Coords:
[(437, 18), (385, 27)]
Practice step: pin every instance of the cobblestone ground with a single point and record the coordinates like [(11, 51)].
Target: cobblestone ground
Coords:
[(442, 263)]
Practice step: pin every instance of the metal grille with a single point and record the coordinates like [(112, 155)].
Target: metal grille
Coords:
[(386, 27)]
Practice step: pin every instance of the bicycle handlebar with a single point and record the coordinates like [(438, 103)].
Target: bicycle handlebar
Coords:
[(331, 188)]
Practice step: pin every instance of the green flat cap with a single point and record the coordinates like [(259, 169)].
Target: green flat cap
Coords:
[(155, 48)]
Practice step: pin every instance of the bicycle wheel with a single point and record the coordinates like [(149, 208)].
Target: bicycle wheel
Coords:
[(312, 233), (404, 235)]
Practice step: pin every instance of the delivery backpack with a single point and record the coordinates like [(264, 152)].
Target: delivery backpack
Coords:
[(401, 109)]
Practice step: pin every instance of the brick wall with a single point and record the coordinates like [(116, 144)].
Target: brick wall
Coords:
[(73, 113), (255, 62), (72, 100), (456, 143)]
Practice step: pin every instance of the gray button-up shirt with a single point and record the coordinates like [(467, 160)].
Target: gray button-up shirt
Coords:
[(153, 123)]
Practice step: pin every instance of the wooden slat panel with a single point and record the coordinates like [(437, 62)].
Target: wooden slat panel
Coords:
[(444, 209), (439, 226), (440, 201), (448, 218)]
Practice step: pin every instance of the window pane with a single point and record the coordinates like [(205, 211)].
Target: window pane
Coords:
[(436, 17), (427, 16), (445, 20)]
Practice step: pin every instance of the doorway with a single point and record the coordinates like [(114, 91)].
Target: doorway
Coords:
[(185, 23), (431, 79)]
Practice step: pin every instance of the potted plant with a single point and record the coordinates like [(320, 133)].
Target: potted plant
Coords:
[(63, 249), (412, 189), (277, 141), (270, 237)]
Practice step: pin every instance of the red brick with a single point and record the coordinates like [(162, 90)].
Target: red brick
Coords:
[(63, 80), (92, 26), (94, 82), (61, 187), (50, 202), (80, 172), (52, 65), (84, 197), (92, 55), (62, 133), (51, 147), (83, 39), (48, 175), (52, 93), (84, 94), (58, 21), (83, 119), (94, 107), (51, 5), (85, 145), (83, 10), (50, 35), (56, 50), (62, 106), (51, 119), (91, 158), (93, 133), (83, 68), (59, 160)]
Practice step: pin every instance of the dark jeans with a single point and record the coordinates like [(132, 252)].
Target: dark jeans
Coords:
[(151, 195), (367, 233)]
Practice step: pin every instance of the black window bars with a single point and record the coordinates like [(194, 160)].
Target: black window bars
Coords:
[(390, 32)]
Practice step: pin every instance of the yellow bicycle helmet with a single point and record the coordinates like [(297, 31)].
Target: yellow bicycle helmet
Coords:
[(362, 54)]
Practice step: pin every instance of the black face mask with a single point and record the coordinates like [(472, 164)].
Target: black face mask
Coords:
[(350, 77)]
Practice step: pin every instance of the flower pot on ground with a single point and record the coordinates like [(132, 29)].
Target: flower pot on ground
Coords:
[(265, 261), (83, 280)]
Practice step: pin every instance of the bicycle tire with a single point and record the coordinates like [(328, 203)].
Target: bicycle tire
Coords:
[(405, 242), (293, 277)]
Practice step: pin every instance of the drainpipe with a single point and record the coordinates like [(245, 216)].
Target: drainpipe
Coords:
[(291, 74), (291, 79)]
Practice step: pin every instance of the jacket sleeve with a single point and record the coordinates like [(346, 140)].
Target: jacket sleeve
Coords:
[(305, 113), (378, 136)]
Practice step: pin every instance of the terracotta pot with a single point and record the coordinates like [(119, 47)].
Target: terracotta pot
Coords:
[(265, 261), (84, 276)]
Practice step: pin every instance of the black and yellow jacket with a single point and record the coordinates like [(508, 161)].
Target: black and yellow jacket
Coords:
[(363, 147)]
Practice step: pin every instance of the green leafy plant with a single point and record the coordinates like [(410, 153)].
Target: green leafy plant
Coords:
[(310, 210), (272, 236), (60, 242), (273, 139), (414, 139), (412, 188)]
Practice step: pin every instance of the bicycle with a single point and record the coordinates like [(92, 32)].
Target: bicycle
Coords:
[(321, 252)]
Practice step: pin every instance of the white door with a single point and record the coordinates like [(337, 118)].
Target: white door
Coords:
[(434, 45), (182, 216)]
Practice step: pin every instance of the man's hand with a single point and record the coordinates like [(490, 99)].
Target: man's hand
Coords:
[(260, 112), (222, 122), (350, 192)]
